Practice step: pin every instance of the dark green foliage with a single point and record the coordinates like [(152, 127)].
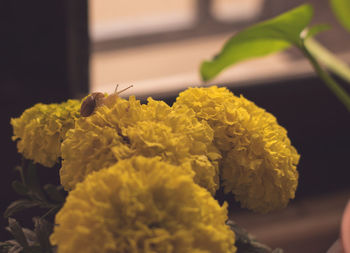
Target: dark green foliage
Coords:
[(49, 197), (29, 241), (246, 243)]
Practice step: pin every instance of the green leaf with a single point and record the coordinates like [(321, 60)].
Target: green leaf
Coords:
[(34, 249), (316, 29), (21, 172), (5, 247), (17, 232), (29, 241), (270, 36), (33, 183), (43, 229), (52, 211), (341, 9), (54, 193), (277, 250), (19, 188), (18, 206), (246, 243)]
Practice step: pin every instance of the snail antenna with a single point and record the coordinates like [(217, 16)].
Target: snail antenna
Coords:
[(123, 89)]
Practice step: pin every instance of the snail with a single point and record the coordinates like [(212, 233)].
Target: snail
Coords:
[(97, 99)]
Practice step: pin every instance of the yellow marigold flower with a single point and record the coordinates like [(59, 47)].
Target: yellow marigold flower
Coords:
[(141, 205), (41, 129), (259, 162), (126, 128)]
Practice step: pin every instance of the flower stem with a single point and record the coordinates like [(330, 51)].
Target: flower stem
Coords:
[(339, 91), (333, 63)]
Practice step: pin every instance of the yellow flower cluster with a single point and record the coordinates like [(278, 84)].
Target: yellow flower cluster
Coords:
[(205, 129), (141, 205), (259, 162), (141, 176), (41, 129), (125, 128)]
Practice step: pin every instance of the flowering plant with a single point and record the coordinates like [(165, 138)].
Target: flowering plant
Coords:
[(279, 33), (142, 177)]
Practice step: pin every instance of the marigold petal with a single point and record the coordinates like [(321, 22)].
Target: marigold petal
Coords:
[(259, 162), (40, 130), (141, 205), (126, 128)]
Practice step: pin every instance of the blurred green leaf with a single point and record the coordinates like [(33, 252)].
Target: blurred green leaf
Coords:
[(246, 243), (261, 39), (43, 229), (17, 232), (34, 249), (21, 172), (5, 247), (19, 188), (316, 29), (33, 184), (28, 241), (277, 250), (54, 193), (341, 9), (18, 206), (50, 198)]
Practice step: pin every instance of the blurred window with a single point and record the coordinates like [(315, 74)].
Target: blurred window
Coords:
[(122, 18), (233, 10), (158, 45)]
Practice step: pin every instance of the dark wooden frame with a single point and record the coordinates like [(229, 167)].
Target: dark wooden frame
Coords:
[(44, 57)]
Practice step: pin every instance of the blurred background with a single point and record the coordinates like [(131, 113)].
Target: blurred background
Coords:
[(54, 50)]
